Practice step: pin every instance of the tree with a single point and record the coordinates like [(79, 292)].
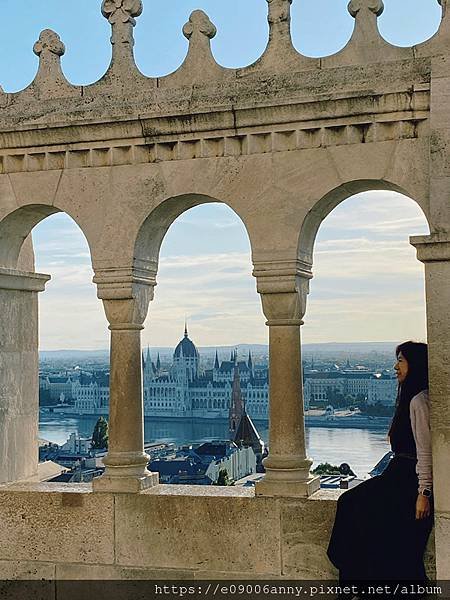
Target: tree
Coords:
[(100, 435), (327, 469), (223, 478)]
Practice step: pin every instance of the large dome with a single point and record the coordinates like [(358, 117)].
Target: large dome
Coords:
[(186, 348)]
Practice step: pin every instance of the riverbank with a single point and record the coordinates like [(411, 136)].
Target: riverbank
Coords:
[(351, 421)]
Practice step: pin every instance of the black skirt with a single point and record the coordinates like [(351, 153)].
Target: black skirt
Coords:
[(376, 536)]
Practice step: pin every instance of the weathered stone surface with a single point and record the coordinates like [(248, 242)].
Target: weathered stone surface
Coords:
[(16, 569), (75, 572), (305, 531), (442, 535), (39, 526), (182, 532)]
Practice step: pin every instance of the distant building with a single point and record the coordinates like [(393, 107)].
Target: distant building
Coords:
[(201, 465), (77, 445), (57, 385), (184, 390), (242, 431), (350, 384), (383, 389)]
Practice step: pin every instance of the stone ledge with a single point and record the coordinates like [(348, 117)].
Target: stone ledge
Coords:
[(46, 487), (195, 491)]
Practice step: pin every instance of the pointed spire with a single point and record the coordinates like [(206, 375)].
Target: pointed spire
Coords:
[(231, 356), (49, 48), (216, 361), (366, 13), (279, 19), (49, 44), (250, 360), (122, 14), (185, 329), (237, 405), (199, 30), (158, 363)]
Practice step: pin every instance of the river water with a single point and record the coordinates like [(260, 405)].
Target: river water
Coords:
[(360, 448)]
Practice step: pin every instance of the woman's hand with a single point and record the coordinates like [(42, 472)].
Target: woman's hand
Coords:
[(423, 508)]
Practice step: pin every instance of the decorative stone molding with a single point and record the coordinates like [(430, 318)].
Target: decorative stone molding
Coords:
[(122, 15), (279, 11), (199, 24), (374, 6), (126, 294), (50, 80), (208, 146), (49, 41), (280, 53), (122, 11), (432, 248), (199, 64), (443, 3), (122, 284), (284, 286), (23, 281)]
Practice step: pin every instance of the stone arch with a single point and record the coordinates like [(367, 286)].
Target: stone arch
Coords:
[(15, 229), (155, 226), (328, 202), (19, 288)]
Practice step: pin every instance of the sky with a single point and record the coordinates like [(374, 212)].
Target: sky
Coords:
[(205, 269)]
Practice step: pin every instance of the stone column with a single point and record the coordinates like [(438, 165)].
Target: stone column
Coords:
[(19, 374), (125, 298), (434, 252), (283, 288)]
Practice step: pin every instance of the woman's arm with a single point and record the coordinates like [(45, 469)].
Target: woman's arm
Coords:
[(420, 424)]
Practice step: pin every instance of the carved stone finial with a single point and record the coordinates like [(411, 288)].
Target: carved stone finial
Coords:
[(123, 11), (49, 41), (199, 22), (122, 14), (279, 11), (375, 6)]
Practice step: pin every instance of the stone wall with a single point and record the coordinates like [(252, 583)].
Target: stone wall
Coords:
[(167, 532)]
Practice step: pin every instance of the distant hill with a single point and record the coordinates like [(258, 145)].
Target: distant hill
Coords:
[(331, 348)]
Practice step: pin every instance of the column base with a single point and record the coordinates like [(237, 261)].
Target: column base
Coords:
[(287, 487), (123, 484)]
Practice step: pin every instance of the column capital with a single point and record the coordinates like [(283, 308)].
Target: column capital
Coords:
[(283, 286), (432, 248), (22, 281), (126, 293)]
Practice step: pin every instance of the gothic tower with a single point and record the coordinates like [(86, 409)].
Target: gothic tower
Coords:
[(237, 407)]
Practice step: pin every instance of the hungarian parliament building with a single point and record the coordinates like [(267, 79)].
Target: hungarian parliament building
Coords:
[(183, 390)]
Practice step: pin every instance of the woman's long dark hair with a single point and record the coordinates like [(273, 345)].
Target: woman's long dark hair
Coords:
[(416, 355)]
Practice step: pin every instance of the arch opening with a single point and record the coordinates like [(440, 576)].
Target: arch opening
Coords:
[(205, 286), (367, 295), (40, 348), (318, 213)]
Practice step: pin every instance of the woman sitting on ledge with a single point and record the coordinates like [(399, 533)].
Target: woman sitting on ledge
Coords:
[(382, 525)]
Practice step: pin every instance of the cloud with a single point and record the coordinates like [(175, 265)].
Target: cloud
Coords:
[(367, 282)]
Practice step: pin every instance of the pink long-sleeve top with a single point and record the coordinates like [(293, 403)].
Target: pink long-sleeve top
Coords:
[(419, 412)]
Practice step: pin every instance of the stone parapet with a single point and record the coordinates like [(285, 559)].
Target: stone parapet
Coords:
[(64, 531)]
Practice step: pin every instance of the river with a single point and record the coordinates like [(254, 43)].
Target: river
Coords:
[(360, 448)]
